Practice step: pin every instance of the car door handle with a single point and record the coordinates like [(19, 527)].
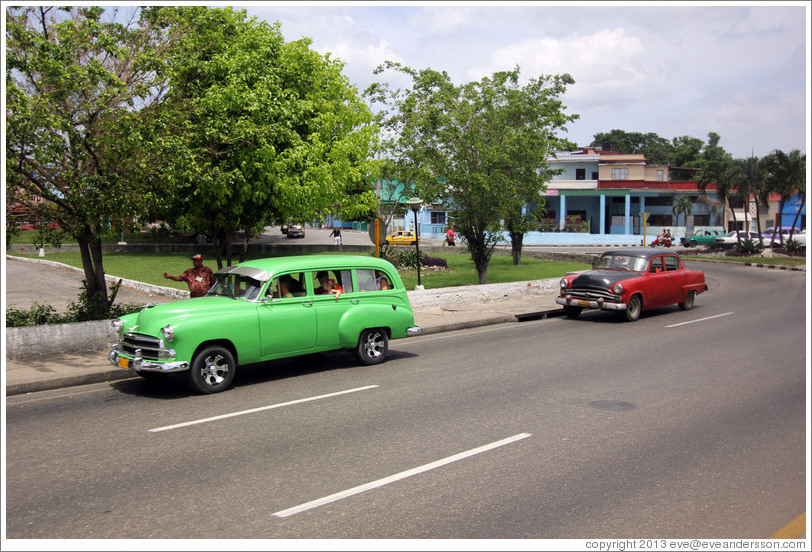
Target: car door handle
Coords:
[(308, 303), (355, 301)]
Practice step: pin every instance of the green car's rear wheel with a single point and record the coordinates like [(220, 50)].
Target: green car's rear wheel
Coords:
[(372, 346)]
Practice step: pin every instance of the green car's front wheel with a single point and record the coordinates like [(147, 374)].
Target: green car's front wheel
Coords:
[(372, 346), (212, 370)]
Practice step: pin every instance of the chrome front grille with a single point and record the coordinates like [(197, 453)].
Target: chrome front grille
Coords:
[(591, 294), (149, 345)]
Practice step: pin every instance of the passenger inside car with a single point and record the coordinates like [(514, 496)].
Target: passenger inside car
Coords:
[(328, 285), (381, 282)]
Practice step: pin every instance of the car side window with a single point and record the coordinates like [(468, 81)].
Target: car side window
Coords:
[(671, 263), (330, 281), (656, 264), (344, 279), (287, 286), (366, 279)]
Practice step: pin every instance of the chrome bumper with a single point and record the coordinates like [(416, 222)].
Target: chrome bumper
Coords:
[(599, 304), (413, 331), (138, 364)]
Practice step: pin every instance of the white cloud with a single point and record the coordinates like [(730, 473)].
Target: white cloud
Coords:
[(739, 70)]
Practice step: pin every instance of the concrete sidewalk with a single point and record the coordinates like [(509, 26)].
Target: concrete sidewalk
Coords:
[(435, 310)]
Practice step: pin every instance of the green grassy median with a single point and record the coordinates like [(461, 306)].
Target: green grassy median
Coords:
[(149, 268)]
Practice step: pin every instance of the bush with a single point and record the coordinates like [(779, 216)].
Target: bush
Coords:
[(748, 247), (81, 310), (407, 258), (794, 247), (34, 316), (388, 253), (434, 261)]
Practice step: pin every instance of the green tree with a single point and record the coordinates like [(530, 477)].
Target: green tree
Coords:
[(655, 148), (480, 147), (786, 175), (77, 83), (255, 131), (685, 157), (718, 170), (682, 205)]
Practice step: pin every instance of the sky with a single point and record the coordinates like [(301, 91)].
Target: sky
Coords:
[(740, 70)]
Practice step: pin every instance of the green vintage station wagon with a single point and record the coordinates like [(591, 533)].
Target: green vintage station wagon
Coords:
[(269, 309)]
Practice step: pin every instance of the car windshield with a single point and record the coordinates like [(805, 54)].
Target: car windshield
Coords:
[(236, 286), (623, 262)]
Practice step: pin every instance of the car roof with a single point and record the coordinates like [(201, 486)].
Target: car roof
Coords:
[(264, 269), (645, 253)]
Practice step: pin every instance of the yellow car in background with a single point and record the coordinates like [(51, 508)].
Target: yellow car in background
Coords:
[(402, 237)]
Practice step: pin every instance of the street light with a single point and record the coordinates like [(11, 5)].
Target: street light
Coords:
[(414, 203)]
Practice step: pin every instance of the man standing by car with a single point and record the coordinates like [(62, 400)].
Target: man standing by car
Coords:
[(199, 277)]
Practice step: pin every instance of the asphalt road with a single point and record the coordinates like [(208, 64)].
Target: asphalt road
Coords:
[(680, 425)]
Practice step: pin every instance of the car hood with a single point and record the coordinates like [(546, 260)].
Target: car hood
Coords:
[(150, 320), (601, 278)]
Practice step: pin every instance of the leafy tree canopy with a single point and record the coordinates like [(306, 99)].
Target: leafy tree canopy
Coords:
[(255, 130), (478, 146), (75, 81)]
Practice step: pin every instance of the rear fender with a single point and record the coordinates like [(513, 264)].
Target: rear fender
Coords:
[(395, 319)]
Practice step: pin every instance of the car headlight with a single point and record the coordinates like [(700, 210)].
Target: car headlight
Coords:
[(617, 289), (168, 332), (118, 325), (564, 283)]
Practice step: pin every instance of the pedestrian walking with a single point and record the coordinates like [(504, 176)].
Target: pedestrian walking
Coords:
[(449, 236), (199, 278), (336, 235)]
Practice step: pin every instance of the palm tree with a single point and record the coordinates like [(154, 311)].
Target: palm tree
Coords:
[(751, 181), (682, 204), (786, 175), (718, 168)]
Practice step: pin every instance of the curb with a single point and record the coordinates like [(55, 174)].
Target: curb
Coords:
[(67, 381)]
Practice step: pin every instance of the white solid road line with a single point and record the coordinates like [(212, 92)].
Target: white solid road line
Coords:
[(699, 320), (261, 408), (396, 477)]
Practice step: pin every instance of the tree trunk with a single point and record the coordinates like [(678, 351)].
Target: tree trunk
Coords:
[(779, 223), (91, 252), (516, 242), (477, 244), (797, 215), (245, 239)]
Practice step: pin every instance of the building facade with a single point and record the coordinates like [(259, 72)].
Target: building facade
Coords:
[(607, 197)]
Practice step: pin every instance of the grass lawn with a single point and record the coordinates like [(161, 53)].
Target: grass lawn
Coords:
[(790, 262), (149, 268)]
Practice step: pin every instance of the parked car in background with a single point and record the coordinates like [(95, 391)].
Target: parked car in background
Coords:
[(264, 310), (777, 235), (732, 238), (800, 237), (631, 281), (402, 237), (701, 237), (296, 231)]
